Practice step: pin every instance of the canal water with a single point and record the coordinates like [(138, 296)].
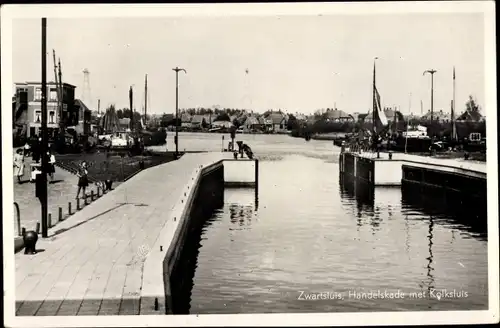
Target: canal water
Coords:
[(311, 242)]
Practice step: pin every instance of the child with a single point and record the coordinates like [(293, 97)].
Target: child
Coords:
[(83, 181), (51, 163), (19, 165)]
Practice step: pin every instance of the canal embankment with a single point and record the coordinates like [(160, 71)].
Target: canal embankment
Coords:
[(98, 261)]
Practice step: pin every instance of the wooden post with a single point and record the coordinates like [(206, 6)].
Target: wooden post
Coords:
[(69, 208), (49, 219), (37, 229), (78, 204), (256, 174), (60, 214), (91, 195)]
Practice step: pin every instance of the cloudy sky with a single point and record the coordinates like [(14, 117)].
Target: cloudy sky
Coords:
[(296, 63)]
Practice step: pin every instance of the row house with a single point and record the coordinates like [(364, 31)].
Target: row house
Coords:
[(27, 110)]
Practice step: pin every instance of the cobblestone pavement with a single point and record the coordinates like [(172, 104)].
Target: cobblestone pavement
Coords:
[(60, 193), (92, 263)]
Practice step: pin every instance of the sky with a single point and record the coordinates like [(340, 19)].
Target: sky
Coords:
[(294, 63)]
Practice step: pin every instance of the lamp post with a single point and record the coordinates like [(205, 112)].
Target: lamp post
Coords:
[(177, 69), (431, 72)]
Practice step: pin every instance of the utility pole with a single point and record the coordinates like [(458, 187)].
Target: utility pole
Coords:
[(61, 100), (431, 72), (177, 69), (146, 100), (130, 98), (98, 107), (42, 177)]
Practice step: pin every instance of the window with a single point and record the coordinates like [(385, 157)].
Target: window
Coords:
[(53, 94), (38, 94), (51, 116), (38, 116)]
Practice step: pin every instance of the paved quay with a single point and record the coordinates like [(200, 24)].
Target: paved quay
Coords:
[(60, 193), (92, 263)]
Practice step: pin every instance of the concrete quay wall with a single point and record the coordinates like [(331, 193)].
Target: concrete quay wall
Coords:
[(162, 275), (389, 172)]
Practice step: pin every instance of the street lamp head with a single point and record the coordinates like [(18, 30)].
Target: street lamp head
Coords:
[(430, 71)]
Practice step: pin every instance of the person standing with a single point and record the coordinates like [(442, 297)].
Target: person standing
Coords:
[(52, 168), (19, 165), (83, 181)]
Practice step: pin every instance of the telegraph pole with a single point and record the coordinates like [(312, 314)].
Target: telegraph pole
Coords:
[(146, 100), (177, 69), (42, 184)]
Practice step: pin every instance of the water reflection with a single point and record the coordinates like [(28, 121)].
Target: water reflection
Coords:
[(430, 269), (468, 216)]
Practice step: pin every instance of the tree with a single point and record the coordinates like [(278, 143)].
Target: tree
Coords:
[(292, 122), (119, 112), (222, 117), (472, 106)]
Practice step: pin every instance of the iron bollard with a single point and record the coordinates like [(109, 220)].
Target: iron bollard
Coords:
[(60, 214), (37, 229), (390, 155), (91, 195), (30, 238), (49, 219), (378, 153), (69, 208)]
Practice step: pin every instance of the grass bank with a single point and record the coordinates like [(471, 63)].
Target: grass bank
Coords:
[(107, 166)]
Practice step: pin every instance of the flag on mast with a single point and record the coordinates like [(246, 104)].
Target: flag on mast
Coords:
[(379, 118)]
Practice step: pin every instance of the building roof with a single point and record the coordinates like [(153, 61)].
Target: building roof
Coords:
[(337, 114), (185, 118), (276, 118), (197, 119), (39, 83), (251, 120)]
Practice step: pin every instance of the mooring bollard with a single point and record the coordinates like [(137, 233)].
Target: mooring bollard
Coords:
[(91, 195), (390, 155), (30, 238), (78, 204), (49, 219), (60, 214), (69, 208), (37, 229)]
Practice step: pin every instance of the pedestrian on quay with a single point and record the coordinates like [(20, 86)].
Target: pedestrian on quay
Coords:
[(26, 149), (19, 165), (51, 165), (83, 180)]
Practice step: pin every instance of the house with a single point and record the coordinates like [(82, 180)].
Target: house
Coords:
[(197, 121), (277, 122), (252, 123), (27, 110), (390, 114), (338, 116), (222, 124), (84, 117), (437, 116), (470, 116), (186, 120)]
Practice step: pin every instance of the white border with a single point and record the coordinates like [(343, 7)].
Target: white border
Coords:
[(10, 12)]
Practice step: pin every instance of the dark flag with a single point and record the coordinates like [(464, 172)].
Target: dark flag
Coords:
[(379, 118)]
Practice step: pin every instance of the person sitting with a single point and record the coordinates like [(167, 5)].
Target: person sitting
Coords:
[(240, 148), (248, 151)]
